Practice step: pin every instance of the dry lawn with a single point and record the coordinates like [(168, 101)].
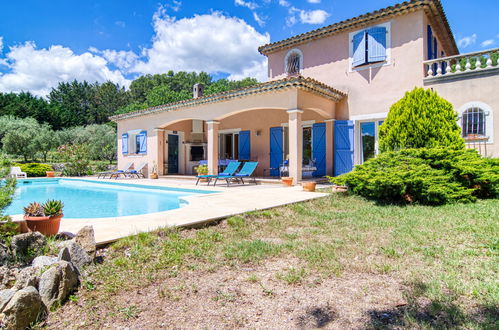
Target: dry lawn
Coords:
[(339, 262)]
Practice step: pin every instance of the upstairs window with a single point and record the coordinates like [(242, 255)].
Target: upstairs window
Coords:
[(369, 46), (473, 123), (134, 142), (293, 62)]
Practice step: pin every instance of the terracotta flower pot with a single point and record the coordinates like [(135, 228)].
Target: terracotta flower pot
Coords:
[(50, 174), (287, 181), (340, 188), (47, 226), (153, 176), (308, 186)]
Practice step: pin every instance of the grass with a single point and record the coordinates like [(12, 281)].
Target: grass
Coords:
[(446, 257)]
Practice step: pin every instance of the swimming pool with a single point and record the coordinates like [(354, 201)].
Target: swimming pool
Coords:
[(95, 199)]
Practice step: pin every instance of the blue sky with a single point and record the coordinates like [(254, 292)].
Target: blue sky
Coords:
[(44, 42)]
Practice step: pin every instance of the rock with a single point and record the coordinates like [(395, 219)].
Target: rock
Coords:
[(5, 296), (57, 283), (28, 276), (4, 254), (65, 235), (7, 277), (23, 309), (28, 245), (64, 255), (43, 261), (86, 238), (78, 256)]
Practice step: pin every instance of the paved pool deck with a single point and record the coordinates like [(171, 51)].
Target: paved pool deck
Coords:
[(201, 209)]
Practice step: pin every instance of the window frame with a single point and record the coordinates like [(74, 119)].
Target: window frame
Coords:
[(286, 58), (133, 142), (386, 62), (357, 136), (489, 120)]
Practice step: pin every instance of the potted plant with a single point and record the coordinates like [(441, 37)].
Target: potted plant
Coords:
[(154, 171), (44, 218), (287, 181), (308, 186), (202, 170), (50, 174)]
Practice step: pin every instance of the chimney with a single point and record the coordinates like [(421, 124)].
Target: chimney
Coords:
[(197, 90)]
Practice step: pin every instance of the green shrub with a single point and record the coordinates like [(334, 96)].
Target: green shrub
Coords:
[(35, 169), (426, 176), (421, 119)]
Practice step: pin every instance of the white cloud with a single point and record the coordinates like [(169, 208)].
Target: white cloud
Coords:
[(183, 45), (284, 3), (121, 24), (38, 70), (314, 1), (124, 60), (313, 16), (248, 4), (467, 41), (258, 19), (1, 44), (487, 43)]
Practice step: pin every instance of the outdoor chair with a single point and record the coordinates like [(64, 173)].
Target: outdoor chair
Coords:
[(229, 171), (245, 172), (110, 173), (16, 172), (135, 172)]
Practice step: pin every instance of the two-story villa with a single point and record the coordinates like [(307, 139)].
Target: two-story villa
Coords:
[(328, 92)]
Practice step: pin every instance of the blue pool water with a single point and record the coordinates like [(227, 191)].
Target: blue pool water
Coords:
[(93, 199)]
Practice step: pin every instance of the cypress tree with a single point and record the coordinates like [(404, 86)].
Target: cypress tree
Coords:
[(421, 119)]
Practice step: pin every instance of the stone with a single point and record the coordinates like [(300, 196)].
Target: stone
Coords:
[(28, 276), (57, 283), (4, 254), (79, 257), (5, 296), (7, 277), (65, 235), (23, 309), (28, 245), (85, 237), (43, 261), (64, 255)]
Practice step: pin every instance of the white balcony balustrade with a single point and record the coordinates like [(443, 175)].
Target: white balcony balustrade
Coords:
[(462, 64)]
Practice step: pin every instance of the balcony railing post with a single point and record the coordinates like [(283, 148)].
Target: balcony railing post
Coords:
[(468, 64)]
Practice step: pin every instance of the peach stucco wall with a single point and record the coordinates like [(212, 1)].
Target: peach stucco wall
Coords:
[(254, 113), (371, 90), (478, 89)]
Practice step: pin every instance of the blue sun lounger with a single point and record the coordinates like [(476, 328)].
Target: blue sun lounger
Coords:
[(245, 172), (229, 171)]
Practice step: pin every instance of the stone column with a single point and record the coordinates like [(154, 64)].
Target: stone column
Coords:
[(295, 144), (329, 146), (212, 146), (160, 151)]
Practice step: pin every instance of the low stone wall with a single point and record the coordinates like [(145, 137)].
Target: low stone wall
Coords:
[(32, 285)]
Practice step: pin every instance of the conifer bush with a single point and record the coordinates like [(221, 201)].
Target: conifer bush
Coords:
[(421, 119), (431, 176)]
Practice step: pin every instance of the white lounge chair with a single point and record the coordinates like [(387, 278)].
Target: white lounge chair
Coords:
[(16, 172), (103, 175)]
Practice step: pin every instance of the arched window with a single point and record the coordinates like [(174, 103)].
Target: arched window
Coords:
[(294, 62), (473, 122), (476, 121)]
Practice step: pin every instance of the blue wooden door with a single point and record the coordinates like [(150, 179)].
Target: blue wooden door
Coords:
[(319, 148), (244, 145), (343, 146), (276, 150)]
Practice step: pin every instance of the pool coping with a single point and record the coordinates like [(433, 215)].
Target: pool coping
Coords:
[(201, 208)]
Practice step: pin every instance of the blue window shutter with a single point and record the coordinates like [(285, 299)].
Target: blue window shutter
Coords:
[(124, 143), (143, 142), (276, 150), (359, 48), (244, 145), (343, 146), (376, 44), (429, 41), (319, 148)]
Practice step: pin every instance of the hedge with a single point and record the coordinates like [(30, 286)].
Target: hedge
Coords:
[(35, 169)]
